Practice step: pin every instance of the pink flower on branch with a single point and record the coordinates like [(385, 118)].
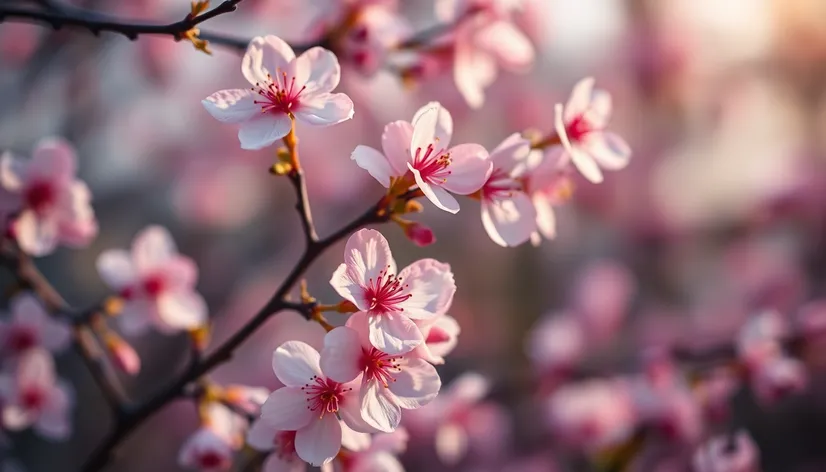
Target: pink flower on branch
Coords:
[(390, 383), (418, 154), (735, 453), (391, 300), (30, 327), (54, 207), (440, 334), (280, 445), (285, 87), (156, 282)]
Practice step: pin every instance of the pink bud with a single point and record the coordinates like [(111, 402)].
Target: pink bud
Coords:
[(123, 355), (420, 234)]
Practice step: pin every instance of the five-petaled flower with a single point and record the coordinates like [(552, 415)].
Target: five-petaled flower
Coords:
[(418, 154), (52, 206), (285, 87), (156, 282), (391, 300), (30, 327)]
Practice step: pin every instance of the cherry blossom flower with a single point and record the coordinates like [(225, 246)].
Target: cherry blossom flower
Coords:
[(379, 456), (547, 179), (32, 396), (156, 282), (759, 338), (601, 298), (736, 453), (31, 326), (245, 398), (778, 377), (53, 206), (211, 447), (390, 383), (376, 30), (390, 299), (284, 87), (418, 154), (311, 404), (281, 444), (440, 334), (581, 129), (508, 214), (556, 344)]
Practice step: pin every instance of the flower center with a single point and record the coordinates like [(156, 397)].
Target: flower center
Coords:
[(384, 293), (284, 443), (436, 336), (432, 164), (578, 128), (32, 398), (379, 366), (21, 338), (210, 459), (154, 285), (324, 395), (280, 95), (40, 196), (499, 185)]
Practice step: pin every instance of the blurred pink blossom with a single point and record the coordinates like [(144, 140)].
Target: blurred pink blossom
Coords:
[(556, 344), (440, 334), (602, 297), (280, 445), (30, 327), (736, 453), (379, 456), (778, 377)]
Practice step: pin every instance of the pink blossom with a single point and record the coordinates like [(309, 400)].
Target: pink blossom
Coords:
[(508, 214), (156, 282), (31, 326), (736, 453), (592, 415), (32, 396), (54, 206), (759, 338), (661, 400), (418, 154), (547, 180), (390, 383), (778, 377), (602, 296), (284, 86), (211, 447), (375, 31), (581, 129), (440, 334), (714, 393), (379, 456), (280, 444), (368, 278), (556, 344), (311, 404), (303, 22)]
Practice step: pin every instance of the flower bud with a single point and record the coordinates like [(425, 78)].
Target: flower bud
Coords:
[(420, 234), (123, 354)]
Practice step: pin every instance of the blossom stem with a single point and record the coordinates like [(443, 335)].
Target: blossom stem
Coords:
[(548, 141)]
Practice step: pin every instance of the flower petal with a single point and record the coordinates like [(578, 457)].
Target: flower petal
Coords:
[(153, 247), (53, 159), (325, 109), (378, 408), (261, 436), (510, 153), (473, 71), (116, 269), (583, 162), (393, 333), (437, 195), (443, 130), (12, 172), (441, 338), (36, 369), (263, 130), (134, 319), (366, 254), (325, 71), (182, 310), (609, 150), (580, 99), (451, 443), (350, 408), (545, 217), (37, 236), (232, 106), (354, 440), (509, 222), (265, 55), (295, 363), (320, 441), (395, 142), (430, 286), (416, 385), (508, 43), (341, 355), (286, 410), (373, 162), (470, 167), (55, 421)]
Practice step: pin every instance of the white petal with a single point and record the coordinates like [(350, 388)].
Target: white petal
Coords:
[(261, 436), (296, 363), (152, 247), (378, 408), (325, 109), (431, 288), (509, 44), (37, 236), (470, 168), (354, 440), (424, 128), (320, 441), (350, 408), (599, 112), (181, 273), (366, 255), (325, 71), (341, 355), (416, 385), (286, 410), (12, 172), (135, 318), (510, 153), (583, 162), (232, 106), (444, 124), (608, 149), (473, 71), (509, 222), (580, 99), (182, 310), (395, 142), (53, 159), (116, 269), (373, 162), (451, 443), (545, 217), (263, 130), (268, 54), (16, 418), (394, 334), (437, 195), (54, 421)]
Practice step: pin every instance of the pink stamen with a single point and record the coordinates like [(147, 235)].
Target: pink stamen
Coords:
[(279, 96), (154, 285), (379, 366), (384, 293), (40, 196), (499, 185), (21, 338), (578, 128), (432, 164), (324, 395)]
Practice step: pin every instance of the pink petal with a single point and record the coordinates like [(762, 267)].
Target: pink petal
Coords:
[(16, 418), (580, 99), (425, 128), (451, 443), (36, 369), (325, 109), (444, 124), (54, 421), (448, 328), (77, 224), (54, 335), (295, 363), (116, 269), (268, 54), (37, 236), (135, 318), (470, 168), (53, 159), (232, 106), (510, 45), (286, 410), (341, 355), (509, 222), (545, 217), (473, 72), (325, 71), (395, 142), (378, 408), (263, 130), (416, 385), (354, 440), (350, 408), (608, 149), (12, 172), (181, 273), (320, 441), (261, 436), (599, 111), (373, 162), (278, 463), (182, 310), (395, 442), (510, 153), (583, 162), (366, 254), (431, 288), (437, 195), (26, 309), (394, 333), (152, 247)]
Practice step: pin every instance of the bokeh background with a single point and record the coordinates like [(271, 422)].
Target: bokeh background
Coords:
[(720, 213)]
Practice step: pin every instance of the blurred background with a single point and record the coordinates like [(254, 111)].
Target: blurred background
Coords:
[(719, 215)]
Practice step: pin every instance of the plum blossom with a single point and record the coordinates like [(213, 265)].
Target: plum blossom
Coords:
[(735, 453), (581, 129), (440, 334), (484, 38), (311, 404), (30, 327), (52, 206), (285, 87), (156, 282), (547, 180), (418, 154), (391, 300), (378, 456), (211, 447), (32, 396), (390, 383), (508, 214)]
